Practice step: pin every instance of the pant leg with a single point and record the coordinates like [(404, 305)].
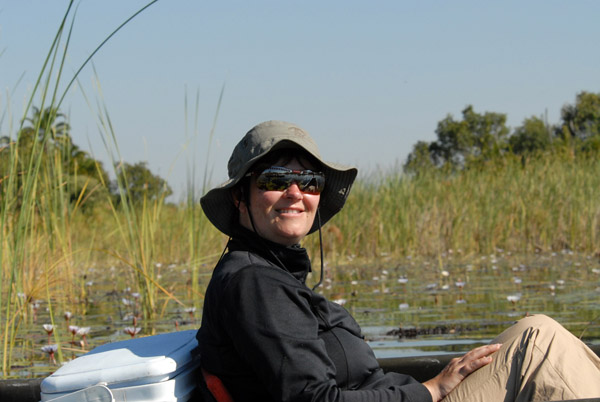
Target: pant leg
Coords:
[(539, 361)]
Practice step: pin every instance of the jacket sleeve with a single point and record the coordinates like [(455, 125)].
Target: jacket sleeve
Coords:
[(273, 327)]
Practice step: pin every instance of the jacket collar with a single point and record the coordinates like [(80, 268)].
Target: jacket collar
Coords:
[(294, 258)]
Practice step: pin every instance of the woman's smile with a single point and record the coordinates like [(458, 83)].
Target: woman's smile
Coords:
[(283, 217)]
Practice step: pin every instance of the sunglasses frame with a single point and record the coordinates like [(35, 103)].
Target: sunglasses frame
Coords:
[(267, 179)]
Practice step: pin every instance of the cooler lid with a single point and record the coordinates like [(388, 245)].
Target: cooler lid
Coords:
[(132, 362)]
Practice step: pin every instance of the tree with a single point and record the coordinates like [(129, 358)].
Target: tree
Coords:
[(532, 136), (419, 160), (139, 183), (581, 120), (475, 138), (48, 121), (45, 136)]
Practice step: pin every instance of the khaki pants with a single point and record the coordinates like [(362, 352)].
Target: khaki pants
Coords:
[(539, 361)]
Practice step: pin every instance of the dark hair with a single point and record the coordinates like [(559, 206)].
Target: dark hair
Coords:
[(285, 155)]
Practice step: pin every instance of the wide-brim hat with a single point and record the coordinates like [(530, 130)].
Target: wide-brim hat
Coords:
[(218, 203)]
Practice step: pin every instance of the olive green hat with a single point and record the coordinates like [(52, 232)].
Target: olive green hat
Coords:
[(218, 203)]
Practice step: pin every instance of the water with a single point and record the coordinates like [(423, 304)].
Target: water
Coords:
[(406, 307), (454, 303)]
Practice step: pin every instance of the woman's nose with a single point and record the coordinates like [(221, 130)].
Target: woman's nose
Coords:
[(293, 191)]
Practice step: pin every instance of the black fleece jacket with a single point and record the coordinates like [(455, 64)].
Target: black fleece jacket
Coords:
[(269, 337)]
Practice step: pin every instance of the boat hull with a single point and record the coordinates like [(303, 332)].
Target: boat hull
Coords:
[(421, 368)]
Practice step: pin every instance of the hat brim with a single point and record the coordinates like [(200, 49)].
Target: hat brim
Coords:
[(219, 206)]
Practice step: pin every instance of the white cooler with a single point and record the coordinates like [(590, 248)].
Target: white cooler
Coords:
[(153, 368)]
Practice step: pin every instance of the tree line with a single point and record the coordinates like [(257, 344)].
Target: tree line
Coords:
[(482, 137), (46, 135), (475, 139)]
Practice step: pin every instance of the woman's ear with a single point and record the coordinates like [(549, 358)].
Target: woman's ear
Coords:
[(239, 198)]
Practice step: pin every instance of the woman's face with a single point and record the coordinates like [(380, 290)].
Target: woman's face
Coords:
[(283, 217)]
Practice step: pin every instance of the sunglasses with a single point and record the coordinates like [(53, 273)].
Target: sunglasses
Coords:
[(278, 178)]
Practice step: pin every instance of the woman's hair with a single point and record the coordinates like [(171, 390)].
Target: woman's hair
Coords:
[(283, 156)]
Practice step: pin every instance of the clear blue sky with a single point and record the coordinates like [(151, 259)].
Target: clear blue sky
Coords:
[(366, 79)]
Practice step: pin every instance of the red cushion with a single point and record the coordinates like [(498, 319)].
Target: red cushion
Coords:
[(216, 387)]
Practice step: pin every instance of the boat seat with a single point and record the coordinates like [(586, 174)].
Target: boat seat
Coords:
[(216, 387)]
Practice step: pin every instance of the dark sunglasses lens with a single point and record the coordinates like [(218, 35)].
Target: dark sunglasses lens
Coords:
[(273, 182), (311, 183)]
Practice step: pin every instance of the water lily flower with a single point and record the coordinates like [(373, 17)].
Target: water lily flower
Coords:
[(83, 331), (341, 302), (514, 298), (133, 331), (68, 316), (403, 306), (49, 328), (190, 311), (35, 306), (50, 349), (73, 330), (403, 280)]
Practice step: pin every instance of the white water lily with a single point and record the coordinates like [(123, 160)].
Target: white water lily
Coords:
[(50, 349), (133, 331), (83, 331), (514, 298)]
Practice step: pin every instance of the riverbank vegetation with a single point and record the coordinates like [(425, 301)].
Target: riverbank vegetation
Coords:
[(62, 218), (477, 189)]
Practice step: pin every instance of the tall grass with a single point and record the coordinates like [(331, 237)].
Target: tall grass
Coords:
[(50, 241), (545, 203)]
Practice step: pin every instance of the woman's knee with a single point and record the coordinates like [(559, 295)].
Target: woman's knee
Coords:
[(540, 323)]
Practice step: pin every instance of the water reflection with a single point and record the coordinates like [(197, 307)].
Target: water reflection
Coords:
[(407, 307)]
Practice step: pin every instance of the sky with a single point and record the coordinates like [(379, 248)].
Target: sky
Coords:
[(366, 79)]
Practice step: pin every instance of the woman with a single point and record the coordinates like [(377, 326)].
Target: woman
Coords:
[(269, 337)]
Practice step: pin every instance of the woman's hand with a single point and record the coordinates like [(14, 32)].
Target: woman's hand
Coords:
[(458, 369)]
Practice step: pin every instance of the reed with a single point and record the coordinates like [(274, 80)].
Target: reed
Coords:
[(50, 242), (38, 252), (545, 203)]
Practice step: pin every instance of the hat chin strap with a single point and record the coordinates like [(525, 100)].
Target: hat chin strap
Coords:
[(321, 250)]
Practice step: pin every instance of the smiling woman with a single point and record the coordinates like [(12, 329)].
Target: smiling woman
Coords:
[(267, 336)]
